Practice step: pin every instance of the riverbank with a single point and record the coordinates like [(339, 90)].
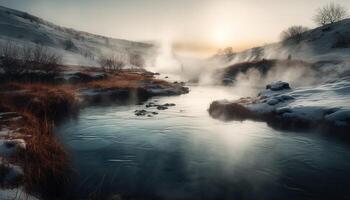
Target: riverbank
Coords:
[(31, 156), (323, 107)]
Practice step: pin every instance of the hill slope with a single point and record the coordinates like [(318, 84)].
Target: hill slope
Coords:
[(329, 42), (77, 47)]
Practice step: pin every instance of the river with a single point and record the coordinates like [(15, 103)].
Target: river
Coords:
[(182, 153)]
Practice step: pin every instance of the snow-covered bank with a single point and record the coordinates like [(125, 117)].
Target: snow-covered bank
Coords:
[(11, 175), (326, 105)]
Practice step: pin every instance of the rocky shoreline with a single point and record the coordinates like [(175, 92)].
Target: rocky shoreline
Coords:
[(324, 107)]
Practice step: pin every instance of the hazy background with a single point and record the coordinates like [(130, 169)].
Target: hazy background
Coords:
[(200, 26)]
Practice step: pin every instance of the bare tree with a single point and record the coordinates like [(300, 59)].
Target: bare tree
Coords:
[(112, 63), (330, 13), (293, 33), (228, 52)]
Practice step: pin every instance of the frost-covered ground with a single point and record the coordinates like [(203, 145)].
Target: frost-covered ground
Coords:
[(323, 105), (76, 47), (11, 174)]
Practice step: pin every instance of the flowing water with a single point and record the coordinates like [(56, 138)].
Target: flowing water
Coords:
[(182, 153)]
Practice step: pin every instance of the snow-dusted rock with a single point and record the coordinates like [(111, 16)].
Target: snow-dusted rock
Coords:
[(10, 146), (326, 105), (144, 90), (165, 90)]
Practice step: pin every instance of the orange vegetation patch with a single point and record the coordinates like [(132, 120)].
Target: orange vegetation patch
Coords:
[(44, 101), (125, 80)]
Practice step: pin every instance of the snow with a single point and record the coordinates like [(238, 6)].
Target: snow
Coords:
[(11, 174), (325, 103), (15, 194), (316, 45), (329, 101), (5, 132)]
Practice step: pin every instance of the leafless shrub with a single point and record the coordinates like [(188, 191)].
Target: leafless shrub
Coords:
[(16, 60), (228, 52), (45, 60), (137, 60), (293, 33), (330, 13), (10, 61), (112, 63)]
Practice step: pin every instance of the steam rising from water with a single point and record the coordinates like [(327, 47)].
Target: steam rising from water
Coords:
[(205, 71), (166, 61)]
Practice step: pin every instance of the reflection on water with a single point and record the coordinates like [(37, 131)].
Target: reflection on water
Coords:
[(182, 153)]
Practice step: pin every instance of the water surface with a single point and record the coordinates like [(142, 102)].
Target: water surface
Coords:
[(182, 153)]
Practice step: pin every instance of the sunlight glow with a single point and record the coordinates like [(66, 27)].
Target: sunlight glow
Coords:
[(223, 36)]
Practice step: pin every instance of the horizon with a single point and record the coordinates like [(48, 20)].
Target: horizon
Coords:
[(214, 25)]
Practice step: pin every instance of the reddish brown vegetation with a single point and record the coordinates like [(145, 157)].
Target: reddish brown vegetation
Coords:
[(45, 162), (44, 101), (124, 80)]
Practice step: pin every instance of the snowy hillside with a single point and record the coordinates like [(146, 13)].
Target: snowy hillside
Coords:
[(77, 48), (329, 42)]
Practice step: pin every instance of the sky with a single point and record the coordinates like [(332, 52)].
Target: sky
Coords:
[(198, 25)]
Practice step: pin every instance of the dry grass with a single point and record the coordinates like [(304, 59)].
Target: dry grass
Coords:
[(44, 101), (45, 162), (124, 80)]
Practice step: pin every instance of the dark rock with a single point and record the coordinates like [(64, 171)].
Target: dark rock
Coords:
[(140, 112), (169, 104), (278, 86), (226, 110), (160, 107)]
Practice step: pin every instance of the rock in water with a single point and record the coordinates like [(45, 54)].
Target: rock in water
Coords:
[(278, 85), (161, 107)]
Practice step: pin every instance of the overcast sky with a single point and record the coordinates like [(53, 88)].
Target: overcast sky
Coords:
[(195, 23)]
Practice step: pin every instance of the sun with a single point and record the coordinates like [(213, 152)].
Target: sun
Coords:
[(222, 36)]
